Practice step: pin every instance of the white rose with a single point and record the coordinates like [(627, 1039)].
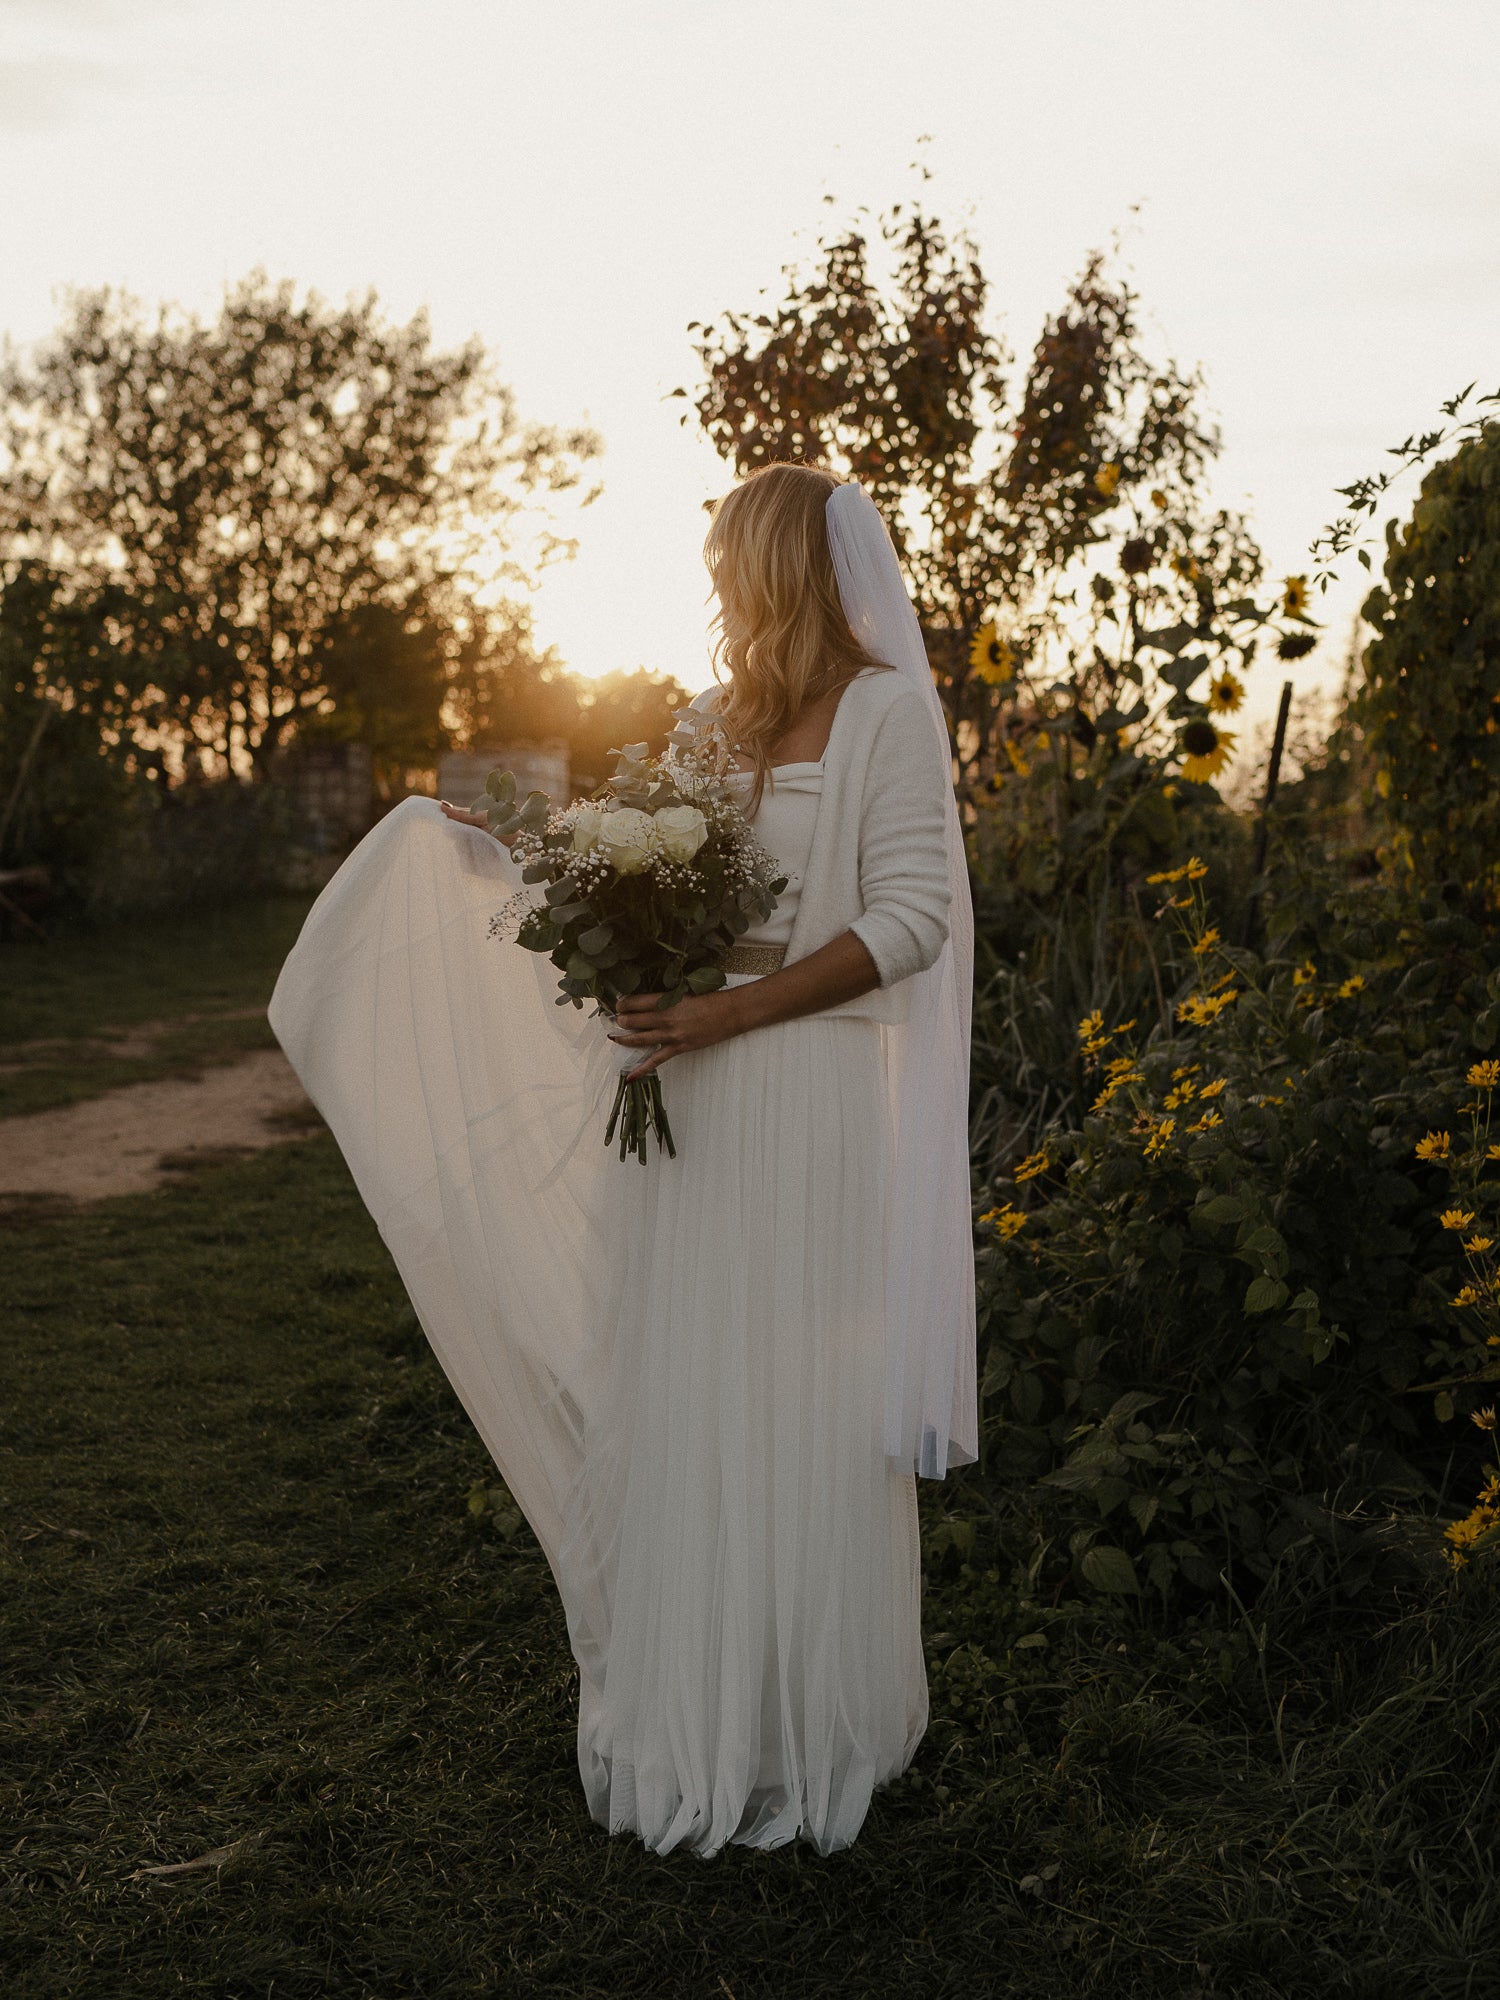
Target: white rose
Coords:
[(586, 829), (627, 838), (681, 830)]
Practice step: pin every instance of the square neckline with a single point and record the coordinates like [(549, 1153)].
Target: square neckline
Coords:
[(814, 763)]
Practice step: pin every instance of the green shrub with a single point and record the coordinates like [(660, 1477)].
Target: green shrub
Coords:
[(1431, 695), (1206, 1302)]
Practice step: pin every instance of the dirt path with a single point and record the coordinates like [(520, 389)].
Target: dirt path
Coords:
[(131, 1140)]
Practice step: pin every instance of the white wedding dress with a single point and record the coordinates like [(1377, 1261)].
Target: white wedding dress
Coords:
[(678, 1367)]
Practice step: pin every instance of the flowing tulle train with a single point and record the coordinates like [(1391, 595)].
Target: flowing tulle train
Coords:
[(678, 1368)]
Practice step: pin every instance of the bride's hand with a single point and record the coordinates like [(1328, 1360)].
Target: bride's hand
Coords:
[(696, 1022), (462, 818)]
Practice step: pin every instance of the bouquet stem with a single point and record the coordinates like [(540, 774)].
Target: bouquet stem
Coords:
[(639, 1109)]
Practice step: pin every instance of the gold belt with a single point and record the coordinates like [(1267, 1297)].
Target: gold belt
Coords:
[(755, 958)]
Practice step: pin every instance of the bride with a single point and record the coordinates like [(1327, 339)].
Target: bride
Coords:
[(708, 1381)]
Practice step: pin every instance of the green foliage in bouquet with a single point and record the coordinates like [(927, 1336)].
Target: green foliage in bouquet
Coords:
[(1431, 696), (645, 888), (1212, 1305)]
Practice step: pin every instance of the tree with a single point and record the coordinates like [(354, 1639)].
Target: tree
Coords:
[(258, 494), (994, 503)]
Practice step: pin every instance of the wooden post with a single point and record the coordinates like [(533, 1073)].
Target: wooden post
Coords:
[(1262, 824)]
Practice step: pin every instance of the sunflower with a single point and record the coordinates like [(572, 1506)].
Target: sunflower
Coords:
[(1294, 598), (1225, 693), (1206, 749), (991, 658)]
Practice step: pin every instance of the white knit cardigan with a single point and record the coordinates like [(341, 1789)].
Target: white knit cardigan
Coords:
[(878, 865)]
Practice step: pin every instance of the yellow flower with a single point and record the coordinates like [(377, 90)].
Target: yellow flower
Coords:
[(1206, 943), (1213, 1089), (1117, 1064), (1183, 1094), (1017, 762), (1434, 1147), (1090, 1026), (1196, 869), (1186, 567), (1483, 1419), (1351, 986), (1125, 1027), (1036, 1163), (1467, 1297), (1484, 1075), (1294, 597), (991, 658), (1205, 748), (1477, 1245), (1493, 1153), (1158, 499), (1201, 1008), (1305, 974), (1106, 479), (1185, 1069), (1224, 979), (1456, 1218), (1225, 693), (1118, 1079), (1008, 1220), (1160, 1138), (1207, 1122)]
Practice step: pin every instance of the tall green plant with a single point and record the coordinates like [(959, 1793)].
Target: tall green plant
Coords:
[(1431, 696)]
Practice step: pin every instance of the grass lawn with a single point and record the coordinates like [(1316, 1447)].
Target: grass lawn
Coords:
[(83, 1012), (244, 1607)]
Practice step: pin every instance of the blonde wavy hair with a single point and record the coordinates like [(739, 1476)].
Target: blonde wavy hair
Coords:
[(782, 636)]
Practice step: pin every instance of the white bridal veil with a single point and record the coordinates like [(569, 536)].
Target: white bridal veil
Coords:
[(931, 1416)]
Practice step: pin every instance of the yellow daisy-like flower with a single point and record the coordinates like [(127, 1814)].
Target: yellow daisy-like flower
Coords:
[(1201, 1008), (1017, 762), (1117, 1082), (1117, 1065), (1183, 1094), (1124, 1027), (1212, 1089), (1185, 1069), (1161, 1138), (1207, 942), (1205, 749), (1493, 1153), (1091, 1026), (1294, 597), (1206, 1123), (1186, 567), (1351, 986), (1483, 1420), (1190, 871), (1107, 479), (1305, 974), (1467, 1297), (1456, 1218), (1008, 1221), (1477, 1245), (1034, 1164), (1225, 693), (991, 657), (1484, 1075), (1435, 1146)]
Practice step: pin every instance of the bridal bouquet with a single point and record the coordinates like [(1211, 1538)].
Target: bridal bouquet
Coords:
[(647, 885)]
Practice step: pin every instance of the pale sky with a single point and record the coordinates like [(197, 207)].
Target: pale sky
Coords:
[(1316, 187)]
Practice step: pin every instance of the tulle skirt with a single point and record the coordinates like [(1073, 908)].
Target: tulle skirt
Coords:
[(678, 1367), (754, 1667)]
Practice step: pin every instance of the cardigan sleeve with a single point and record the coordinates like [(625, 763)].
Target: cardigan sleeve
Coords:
[(903, 853)]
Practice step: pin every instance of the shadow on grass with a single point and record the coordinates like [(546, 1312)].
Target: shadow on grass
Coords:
[(247, 1621)]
